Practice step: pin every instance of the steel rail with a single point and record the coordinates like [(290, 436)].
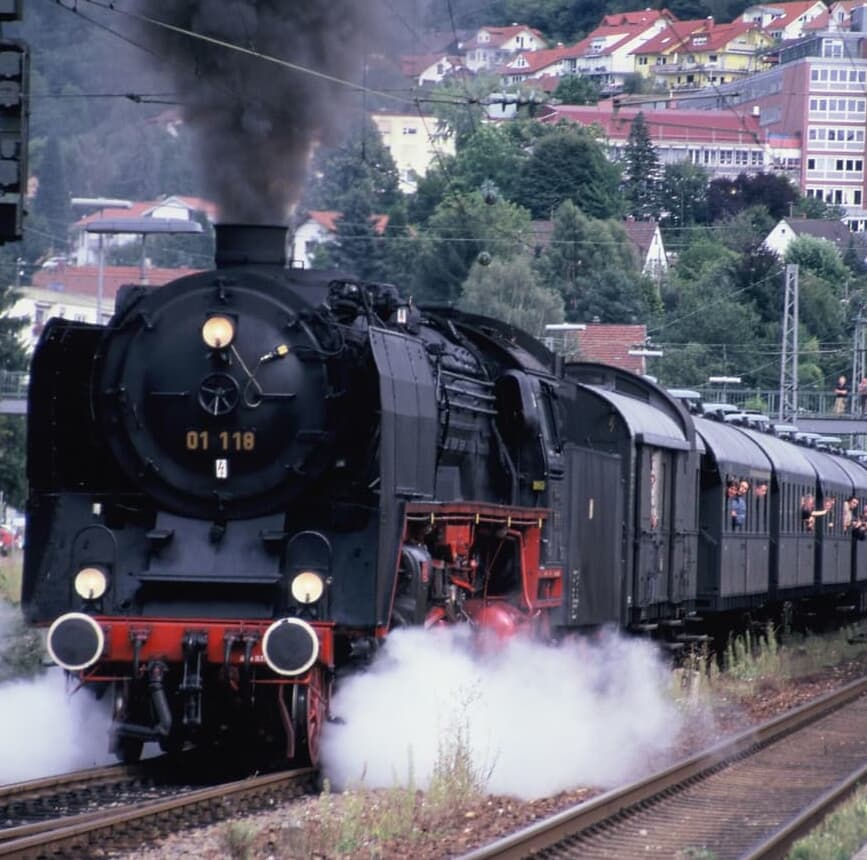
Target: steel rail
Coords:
[(620, 801), (216, 802)]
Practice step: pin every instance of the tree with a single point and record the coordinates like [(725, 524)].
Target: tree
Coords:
[(13, 482), (508, 289), (49, 218), (593, 266), (463, 227), (710, 314), (818, 256), (641, 171), (568, 164), (491, 158), (458, 105), (726, 197), (360, 161), (577, 90), (746, 231), (357, 246), (682, 200)]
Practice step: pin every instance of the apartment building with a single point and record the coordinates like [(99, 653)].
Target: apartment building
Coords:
[(689, 55), (817, 93), (724, 142), (785, 21), (415, 141), (607, 55)]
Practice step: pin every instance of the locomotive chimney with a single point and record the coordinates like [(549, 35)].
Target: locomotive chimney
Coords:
[(250, 244)]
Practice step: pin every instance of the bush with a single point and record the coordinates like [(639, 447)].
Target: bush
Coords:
[(21, 649)]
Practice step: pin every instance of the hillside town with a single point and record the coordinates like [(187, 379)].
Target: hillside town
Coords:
[(779, 90)]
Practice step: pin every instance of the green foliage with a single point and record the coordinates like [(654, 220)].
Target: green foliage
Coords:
[(357, 247), (641, 171), (815, 207), (238, 839), (839, 836), (462, 227), (821, 311), (569, 164), (726, 197), (744, 232), (12, 454), (459, 105), (577, 90), (21, 649), (493, 155), (509, 291), (361, 161), (592, 263), (819, 257), (703, 254), (682, 199)]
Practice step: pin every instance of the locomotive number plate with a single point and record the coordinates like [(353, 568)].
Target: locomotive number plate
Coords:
[(235, 441)]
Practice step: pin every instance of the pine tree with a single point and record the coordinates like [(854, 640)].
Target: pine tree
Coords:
[(357, 247), (362, 160), (49, 220), (642, 173)]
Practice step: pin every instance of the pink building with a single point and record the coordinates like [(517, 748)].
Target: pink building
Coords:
[(818, 95)]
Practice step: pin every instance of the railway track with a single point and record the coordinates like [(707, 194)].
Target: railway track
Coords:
[(53, 796), (126, 825), (747, 798)]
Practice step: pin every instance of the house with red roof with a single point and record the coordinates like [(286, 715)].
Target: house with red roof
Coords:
[(785, 21), (490, 47), (839, 16), (646, 238), (85, 246), (612, 344), (318, 227), (78, 293), (537, 65), (606, 54), (689, 55), (428, 69)]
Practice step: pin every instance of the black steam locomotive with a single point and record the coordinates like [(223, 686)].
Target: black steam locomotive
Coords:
[(254, 473)]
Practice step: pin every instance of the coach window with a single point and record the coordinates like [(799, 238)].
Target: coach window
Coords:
[(657, 483), (760, 500), (833, 515), (792, 513), (551, 417)]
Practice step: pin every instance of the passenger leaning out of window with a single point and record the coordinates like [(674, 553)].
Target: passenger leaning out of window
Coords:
[(841, 393)]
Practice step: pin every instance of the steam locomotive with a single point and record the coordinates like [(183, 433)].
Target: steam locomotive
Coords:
[(251, 475)]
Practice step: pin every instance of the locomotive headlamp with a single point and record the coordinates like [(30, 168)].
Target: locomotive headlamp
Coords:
[(218, 332), (307, 587), (90, 583)]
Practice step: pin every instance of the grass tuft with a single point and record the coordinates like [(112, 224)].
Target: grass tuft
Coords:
[(840, 835), (21, 648), (238, 840)]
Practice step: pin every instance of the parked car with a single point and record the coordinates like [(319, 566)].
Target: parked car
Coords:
[(7, 540)]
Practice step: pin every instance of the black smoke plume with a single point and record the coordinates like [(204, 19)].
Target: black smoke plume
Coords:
[(257, 121)]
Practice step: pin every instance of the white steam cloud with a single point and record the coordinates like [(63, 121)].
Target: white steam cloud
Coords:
[(539, 719), (44, 730)]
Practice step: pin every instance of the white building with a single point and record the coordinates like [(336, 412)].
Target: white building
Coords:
[(415, 141)]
